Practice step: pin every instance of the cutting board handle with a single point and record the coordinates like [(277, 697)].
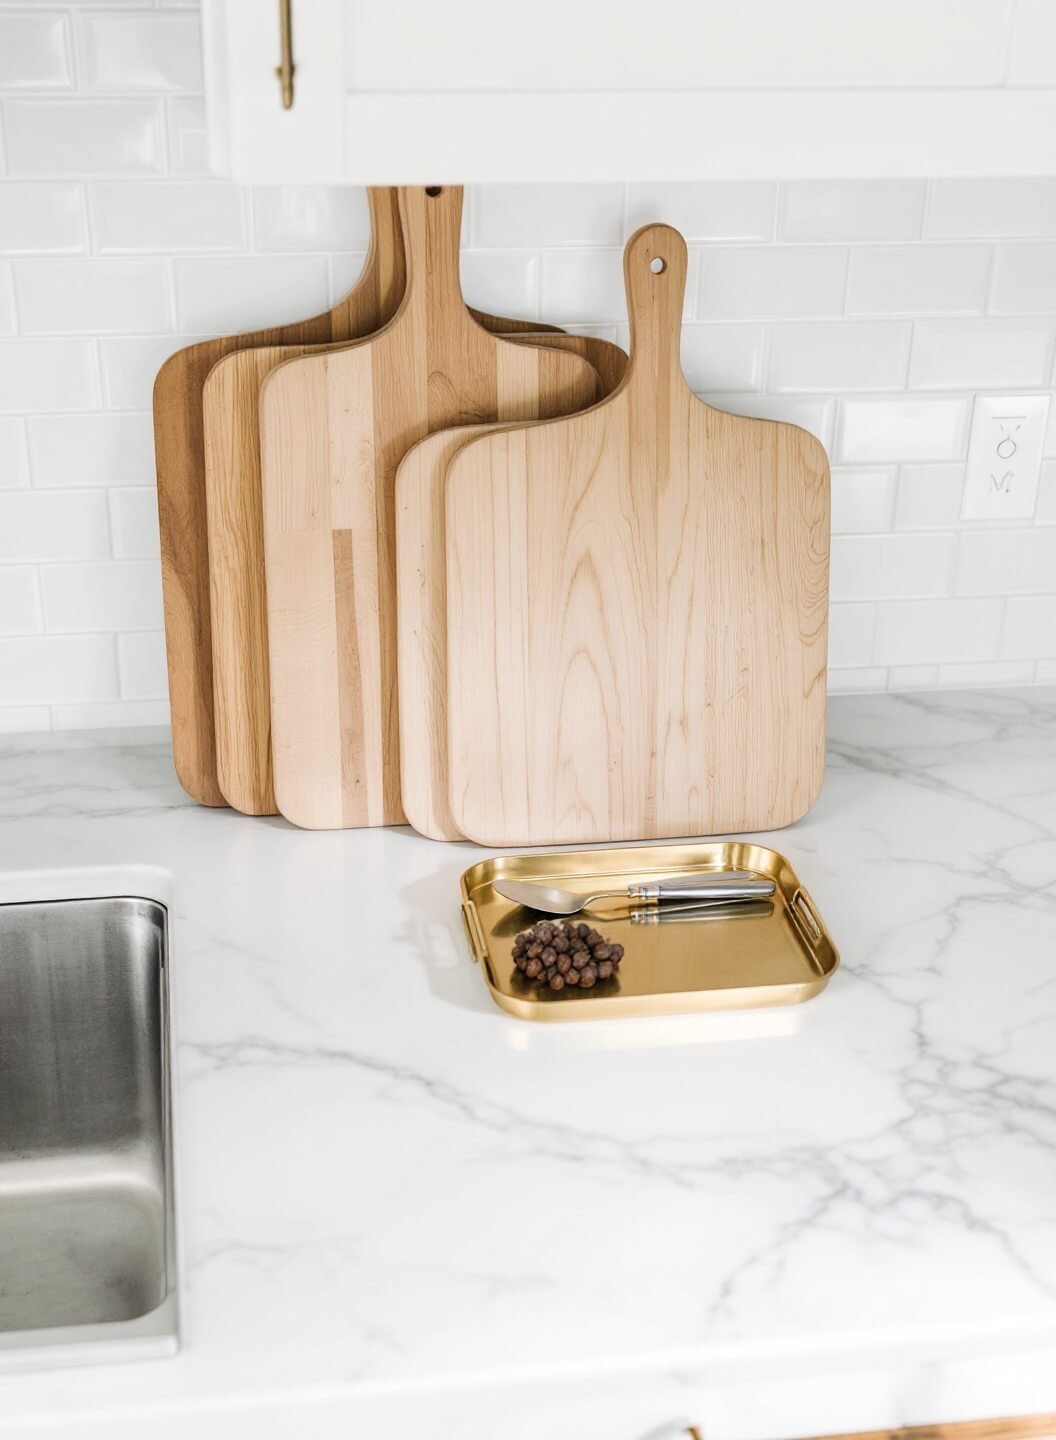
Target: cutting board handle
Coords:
[(385, 256), (377, 294), (431, 217), (654, 271)]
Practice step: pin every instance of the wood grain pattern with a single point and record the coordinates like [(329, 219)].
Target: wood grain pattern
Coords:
[(334, 427), (1017, 1427), (234, 507), (637, 608), (180, 457), (421, 575)]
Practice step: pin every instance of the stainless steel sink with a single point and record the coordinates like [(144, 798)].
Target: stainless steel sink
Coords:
[(86, 1212)]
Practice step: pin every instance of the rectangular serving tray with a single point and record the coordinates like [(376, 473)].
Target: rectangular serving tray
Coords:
[(676, 961)]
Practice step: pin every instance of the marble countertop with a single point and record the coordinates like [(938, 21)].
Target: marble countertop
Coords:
[(403, 1213)]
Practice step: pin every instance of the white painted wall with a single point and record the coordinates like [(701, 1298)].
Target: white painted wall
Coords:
[(871, 312)]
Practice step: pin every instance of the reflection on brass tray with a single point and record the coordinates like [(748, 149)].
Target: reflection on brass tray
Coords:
[(716, 887), (677, 960), (671, 914)]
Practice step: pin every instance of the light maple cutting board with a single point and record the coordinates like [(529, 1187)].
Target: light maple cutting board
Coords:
[(333, 428), (637, 607), (180, 455), (421, 590), (238, 609)]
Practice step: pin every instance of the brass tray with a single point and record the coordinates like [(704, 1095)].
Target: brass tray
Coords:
[(675, 962)]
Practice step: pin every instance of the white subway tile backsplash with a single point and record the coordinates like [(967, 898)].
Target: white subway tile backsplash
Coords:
[(345, 270), (913, 677), (8, 321), (918, 280), (310, 217), (14, 455), (948, 288), (138, 51), (870, 680), (119, 713), (1007, 562), (130, 367), (221, 296), (42, 217), (536, 215), (1024, 280), (891, 567), (19, 601), (723, 357), (48, 375), (992, 207), (141, 665), (131, 216), (929, 497), (115, 595), (851, 630), (1045, 510), (91, 450), (1030, 628), (134, 523), (24, 719), (35, 51), (852, 210), (585, 287), (188, 148), (982, 673), (771, 282), (839, 355), (504, 282), (55, 669), (716, 210), (981, 354), (83, 137), (1032, 54), (898, 429), (862, 501), (929, 632), (95, 297), (810, 412), (57, 525)]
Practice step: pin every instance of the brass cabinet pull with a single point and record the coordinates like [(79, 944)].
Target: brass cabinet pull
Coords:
[(285, 70)]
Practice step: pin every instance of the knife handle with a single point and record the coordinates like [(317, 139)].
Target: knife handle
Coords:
[(701, 912), (734, 885)]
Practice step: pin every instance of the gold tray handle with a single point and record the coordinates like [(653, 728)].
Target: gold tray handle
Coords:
[(471, 922), (806, 918)]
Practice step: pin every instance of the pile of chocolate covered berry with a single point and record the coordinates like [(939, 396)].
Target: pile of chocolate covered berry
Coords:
[(565, 954)]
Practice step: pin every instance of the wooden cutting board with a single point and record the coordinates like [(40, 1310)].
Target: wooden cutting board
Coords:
[(637, 607), (334, 427), (238, 610), (421, 592), (179, 447)]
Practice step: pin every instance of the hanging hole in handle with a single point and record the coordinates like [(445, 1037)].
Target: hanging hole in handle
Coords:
[(658, 265), (434, 190)]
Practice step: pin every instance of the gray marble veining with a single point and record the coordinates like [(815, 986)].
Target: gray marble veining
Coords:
[(387, 1186)]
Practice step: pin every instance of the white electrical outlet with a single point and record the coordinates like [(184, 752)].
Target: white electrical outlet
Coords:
[(1004, 457)]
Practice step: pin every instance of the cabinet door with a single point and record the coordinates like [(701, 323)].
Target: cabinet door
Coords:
[(412, 91)]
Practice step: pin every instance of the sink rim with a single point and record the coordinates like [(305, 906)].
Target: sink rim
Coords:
[(157, 1332)]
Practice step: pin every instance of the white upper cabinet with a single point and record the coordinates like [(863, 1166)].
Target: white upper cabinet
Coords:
[(414, 91)]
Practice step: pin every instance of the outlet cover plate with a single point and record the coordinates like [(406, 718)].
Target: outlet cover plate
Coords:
[(1004, 457)]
